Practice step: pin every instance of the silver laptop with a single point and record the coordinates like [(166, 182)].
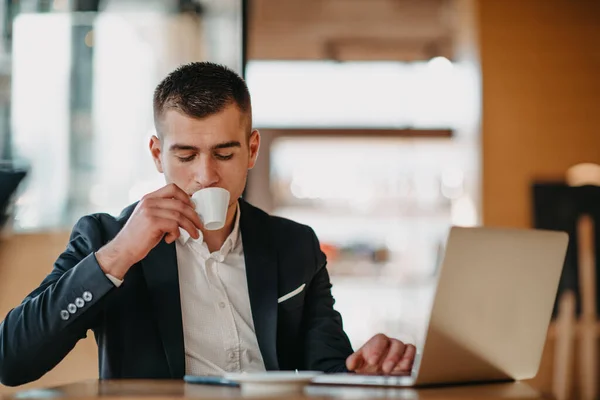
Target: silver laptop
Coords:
[(491, 312)]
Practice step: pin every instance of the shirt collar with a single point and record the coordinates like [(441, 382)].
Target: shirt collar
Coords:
[(230, 242)]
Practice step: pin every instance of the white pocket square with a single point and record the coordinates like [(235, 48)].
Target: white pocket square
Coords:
[(291, 294)]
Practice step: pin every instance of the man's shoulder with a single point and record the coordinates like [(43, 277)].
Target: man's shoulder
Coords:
[(93, 231), (121, 219), (293, 240), (108, 223), (287, 226), (280, 227)]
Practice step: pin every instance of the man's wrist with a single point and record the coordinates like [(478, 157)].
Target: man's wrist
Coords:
[(113, 262), (115, 281)]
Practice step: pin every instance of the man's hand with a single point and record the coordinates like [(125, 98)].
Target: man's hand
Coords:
[(158, 214), (382, 355)]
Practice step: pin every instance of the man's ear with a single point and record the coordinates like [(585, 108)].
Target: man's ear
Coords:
[(156, 151), (254, 145)]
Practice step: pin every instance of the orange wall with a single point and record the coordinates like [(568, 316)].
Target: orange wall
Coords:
[(541, 97)]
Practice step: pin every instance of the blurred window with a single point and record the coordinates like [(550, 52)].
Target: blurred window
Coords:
[(79, 106)]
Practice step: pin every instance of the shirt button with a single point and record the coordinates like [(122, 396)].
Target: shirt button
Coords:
[(222, 304), (231, 355), (87, 296), (79, 302), (72, 308), (64, 315)]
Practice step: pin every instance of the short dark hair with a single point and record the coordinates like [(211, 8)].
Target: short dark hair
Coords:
[(201, 89)]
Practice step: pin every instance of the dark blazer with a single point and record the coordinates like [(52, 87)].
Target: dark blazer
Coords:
[(138, 326)]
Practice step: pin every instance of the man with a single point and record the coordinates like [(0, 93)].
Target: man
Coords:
[(165, 297)]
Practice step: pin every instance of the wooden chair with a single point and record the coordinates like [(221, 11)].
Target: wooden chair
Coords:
[(567, 324)]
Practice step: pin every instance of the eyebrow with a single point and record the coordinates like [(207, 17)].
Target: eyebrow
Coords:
[(177, 146), (226, 145), (186, 147)]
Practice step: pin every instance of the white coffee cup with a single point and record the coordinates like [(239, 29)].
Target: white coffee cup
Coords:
[(211, 205)]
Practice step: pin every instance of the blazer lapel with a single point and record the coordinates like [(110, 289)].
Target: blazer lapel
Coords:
[(160, 271), (261, 273)]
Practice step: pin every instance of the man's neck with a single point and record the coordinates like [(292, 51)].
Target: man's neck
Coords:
[(215, 239)]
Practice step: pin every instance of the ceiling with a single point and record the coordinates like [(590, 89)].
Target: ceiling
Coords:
[(345, 30)]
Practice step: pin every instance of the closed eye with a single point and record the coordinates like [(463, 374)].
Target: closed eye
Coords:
[(186, 159), (223, 157)]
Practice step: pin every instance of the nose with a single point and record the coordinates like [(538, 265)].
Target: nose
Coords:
[(206, 173)]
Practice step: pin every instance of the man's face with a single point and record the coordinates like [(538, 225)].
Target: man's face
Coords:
[(210, 152)]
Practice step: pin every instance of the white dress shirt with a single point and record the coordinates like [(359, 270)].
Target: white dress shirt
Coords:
[(218, 329)]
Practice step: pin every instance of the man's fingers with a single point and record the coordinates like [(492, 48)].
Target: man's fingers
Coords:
[(394, 355), (383, 355), (399, 371), (404, 367), (175, 205), (355, 361), (367, 360), (409, 353), (177, 217), (170, 238), (188, 211), (375, 349), (172, 232), (408, 359), (172, 191)]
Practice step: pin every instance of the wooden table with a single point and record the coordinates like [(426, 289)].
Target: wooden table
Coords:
[(156, 390)]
